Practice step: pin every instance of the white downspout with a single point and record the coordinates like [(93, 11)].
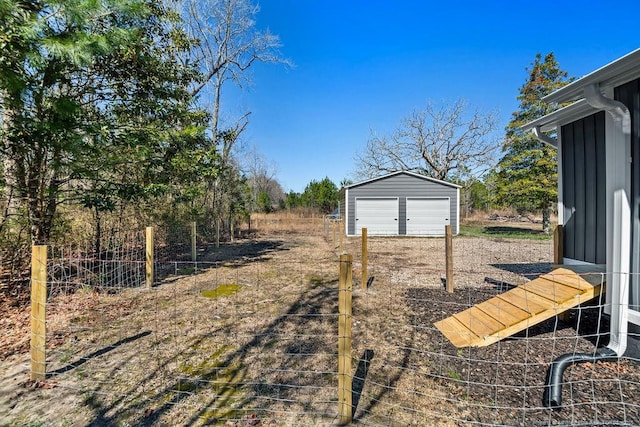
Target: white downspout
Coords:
[(620, 261)]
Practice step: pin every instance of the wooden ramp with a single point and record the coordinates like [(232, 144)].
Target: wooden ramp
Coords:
[(519, 308)]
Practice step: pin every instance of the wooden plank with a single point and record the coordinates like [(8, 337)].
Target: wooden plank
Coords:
[(516, 310), (478, 322), (457, 333), (567, 278), (503, 311), (345, 379), (38, 312), (550, 290), (526, 300), (571, 282), (535, 319)]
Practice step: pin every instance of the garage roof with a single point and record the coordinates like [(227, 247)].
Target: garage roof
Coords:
[(426, 178)]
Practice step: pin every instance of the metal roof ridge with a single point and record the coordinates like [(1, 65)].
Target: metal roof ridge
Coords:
[(417, 175)]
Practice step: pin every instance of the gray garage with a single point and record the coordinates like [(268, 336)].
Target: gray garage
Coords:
[(402, 204)]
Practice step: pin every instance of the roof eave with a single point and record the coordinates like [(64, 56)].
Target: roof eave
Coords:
[(615, 73), (568, 114)]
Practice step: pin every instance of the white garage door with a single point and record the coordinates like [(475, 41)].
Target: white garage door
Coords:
[(379, 216), (427, 217)]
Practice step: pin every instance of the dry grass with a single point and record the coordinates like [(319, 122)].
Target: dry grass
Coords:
[(248, 336), (190, 352)]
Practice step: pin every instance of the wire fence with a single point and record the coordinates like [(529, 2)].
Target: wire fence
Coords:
[(247, 334), (414, 375)]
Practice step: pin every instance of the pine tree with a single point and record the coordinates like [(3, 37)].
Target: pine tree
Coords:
[(527, 174)]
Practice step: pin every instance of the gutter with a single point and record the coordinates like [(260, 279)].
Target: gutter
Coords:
[(620, 259), (544, 138)]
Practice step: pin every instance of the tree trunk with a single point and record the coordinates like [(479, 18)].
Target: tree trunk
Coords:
[(10, 193), (41, 187), (215, 117)]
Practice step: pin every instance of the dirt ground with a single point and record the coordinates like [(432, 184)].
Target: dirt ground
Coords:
[(248, 336)]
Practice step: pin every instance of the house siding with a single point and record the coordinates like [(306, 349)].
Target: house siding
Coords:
[(401, 186), (583, 189), (629, 95)]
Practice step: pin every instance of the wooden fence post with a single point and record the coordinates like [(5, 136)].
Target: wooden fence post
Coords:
[(558, 245), (345, 379), (340, 233), (194, 249), (448, 245), (38, 309), (365, 258), (149, 256)]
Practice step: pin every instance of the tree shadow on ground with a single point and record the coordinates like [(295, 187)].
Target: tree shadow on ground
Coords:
[(360, 377), (97, 353), (530, 270), (375, 398), (239, 250), (510, 231), (232, 394), (234, 255)]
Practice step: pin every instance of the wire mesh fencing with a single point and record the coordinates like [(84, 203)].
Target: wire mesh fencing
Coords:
[(247, 334), (410, 373)]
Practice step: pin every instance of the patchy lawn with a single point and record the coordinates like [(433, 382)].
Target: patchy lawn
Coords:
[(248, 336)]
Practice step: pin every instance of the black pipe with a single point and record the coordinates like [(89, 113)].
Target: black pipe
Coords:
[(552, 396)]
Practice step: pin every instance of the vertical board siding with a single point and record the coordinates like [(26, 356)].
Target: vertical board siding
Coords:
[(601, 188), (629, 95), (583, 186), (580, 189), (401, 185), (591, 175), (568, 190)]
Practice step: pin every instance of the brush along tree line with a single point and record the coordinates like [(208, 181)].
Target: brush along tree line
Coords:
[(103, 108), (111, 106)]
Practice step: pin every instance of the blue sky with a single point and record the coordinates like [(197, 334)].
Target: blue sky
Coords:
[(364, 65)]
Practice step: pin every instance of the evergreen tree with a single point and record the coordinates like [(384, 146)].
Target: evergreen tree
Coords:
[(321, 194), (94, 105), (527, 174)]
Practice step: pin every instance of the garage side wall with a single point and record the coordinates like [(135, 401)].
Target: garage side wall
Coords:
[(401, 187)]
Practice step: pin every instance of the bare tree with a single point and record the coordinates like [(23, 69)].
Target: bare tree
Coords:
[(441, 142), (261, 177), (229, 44)]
